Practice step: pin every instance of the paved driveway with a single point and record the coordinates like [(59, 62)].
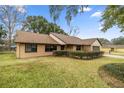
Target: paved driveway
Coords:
[(113, 56)]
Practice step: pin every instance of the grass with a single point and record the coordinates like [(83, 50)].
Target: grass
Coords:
[(51, 72)]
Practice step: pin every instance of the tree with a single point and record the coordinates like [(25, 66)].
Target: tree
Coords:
[(10, 18), (71, 11), (35, 24), (104, 41), (55, 12), (41, 25), (113, 15), (55, 28), (2, 34), (118, 41), (74, 30)]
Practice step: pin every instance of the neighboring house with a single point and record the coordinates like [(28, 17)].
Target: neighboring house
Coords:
[(30, 44), (116, 48)]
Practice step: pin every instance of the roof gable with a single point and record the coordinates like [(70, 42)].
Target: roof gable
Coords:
[(90, 41), (68, 39)]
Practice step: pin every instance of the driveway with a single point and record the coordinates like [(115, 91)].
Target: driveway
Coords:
[(113, 56)]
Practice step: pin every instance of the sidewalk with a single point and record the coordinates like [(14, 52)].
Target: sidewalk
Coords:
[(113, 56)]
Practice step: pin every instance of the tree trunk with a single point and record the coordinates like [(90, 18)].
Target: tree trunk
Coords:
[(9, 43)]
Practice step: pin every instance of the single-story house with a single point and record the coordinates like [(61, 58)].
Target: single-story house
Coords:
[(29, 44), (116, 48)]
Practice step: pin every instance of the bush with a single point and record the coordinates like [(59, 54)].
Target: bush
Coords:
[(61, 53), (76, 54), (81, 55)]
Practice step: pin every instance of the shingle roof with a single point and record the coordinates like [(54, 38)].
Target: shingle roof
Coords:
[(88, 41), (30, 37), (68, 39), (74, 40)]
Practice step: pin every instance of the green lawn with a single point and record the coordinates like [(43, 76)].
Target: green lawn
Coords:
[(52, 72)]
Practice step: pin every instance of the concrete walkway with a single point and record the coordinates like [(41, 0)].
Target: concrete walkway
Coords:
[(113, 56)]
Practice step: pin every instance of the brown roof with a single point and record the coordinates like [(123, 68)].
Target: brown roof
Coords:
[(68, 39), (30, 37), (89, 41), (75, 40)]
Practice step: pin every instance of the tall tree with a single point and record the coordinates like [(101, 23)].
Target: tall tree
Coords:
[(71, 11), (41, 25), (55, 12), (10, 18), (35, 24), (2, 34), (55, 28), (113, 15), (118, 41)]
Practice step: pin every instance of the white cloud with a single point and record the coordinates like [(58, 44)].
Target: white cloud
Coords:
[(97, 14), (20, 9), (100, 27), (85, 9)]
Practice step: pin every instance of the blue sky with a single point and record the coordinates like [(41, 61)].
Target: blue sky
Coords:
[(88, 22)]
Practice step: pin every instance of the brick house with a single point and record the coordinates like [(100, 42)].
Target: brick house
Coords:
[(30, 44)]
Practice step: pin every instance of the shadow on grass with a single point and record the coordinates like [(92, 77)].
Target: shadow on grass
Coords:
[(113, 74)]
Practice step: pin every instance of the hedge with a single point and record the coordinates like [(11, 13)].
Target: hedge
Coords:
[(80, 55), (61, 53)]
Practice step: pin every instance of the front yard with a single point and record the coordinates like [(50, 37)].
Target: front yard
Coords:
[(52, 72)]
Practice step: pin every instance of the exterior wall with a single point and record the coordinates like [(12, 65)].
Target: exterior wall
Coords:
[(86, 48), (20, 52), (96, 43), (58, 47), (73, 48), (17, 50), (70, 48)]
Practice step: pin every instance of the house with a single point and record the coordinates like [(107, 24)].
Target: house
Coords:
[(30, 44), (113, 48)]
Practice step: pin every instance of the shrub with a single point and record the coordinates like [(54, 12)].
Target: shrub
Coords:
[(81, 55), (60, 53), (76, 54)]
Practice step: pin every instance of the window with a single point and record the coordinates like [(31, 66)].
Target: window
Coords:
[(96, 48), (62, 47), (78, 47), (30, 47), (50, 48)]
